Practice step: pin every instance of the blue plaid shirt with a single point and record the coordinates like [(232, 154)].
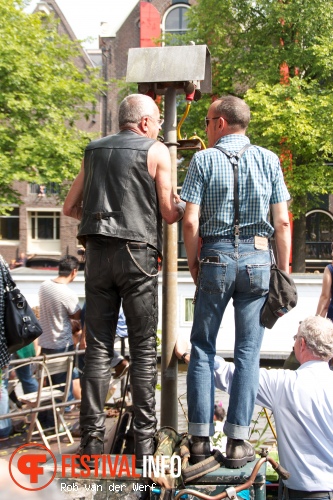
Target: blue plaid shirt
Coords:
[(210, 183)]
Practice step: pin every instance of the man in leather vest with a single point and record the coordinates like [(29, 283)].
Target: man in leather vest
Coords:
[(121, 195)]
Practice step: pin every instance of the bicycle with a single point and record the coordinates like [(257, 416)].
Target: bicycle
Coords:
[(231, 492)]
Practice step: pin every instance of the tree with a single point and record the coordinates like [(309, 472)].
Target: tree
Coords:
[(42, 95), (277, 55)]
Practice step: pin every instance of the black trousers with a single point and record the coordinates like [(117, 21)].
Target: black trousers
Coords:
[(117, 269)]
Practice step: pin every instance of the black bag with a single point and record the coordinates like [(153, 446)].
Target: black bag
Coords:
[(281, 298), (21, 324)]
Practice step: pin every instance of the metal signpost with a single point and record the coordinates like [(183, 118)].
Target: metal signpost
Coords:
[(170, 71)]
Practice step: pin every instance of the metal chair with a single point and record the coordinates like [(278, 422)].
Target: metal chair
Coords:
[(50, 397)]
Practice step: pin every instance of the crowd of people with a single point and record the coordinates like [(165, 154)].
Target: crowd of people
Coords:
[(62, 322), (233, 200)]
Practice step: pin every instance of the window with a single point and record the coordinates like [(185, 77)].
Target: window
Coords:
[(189, 309), (319, 235), (9, 226), (45, 225), (175, 21), (43, 189), (44, 232)]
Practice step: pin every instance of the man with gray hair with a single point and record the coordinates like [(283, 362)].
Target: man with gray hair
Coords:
[(121, 194), (302, 404)]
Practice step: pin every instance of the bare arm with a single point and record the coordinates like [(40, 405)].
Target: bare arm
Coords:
[(325, 296), (191, 238), (37, 347), (73, 202), (159, 166), (83, 343), (282, 234), (76, 315)]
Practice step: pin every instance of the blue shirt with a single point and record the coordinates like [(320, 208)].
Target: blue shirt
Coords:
[(302, 404), (210, 183), (121, 326)]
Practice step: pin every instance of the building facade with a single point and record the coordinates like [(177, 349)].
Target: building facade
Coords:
[(38, 227), (145, 26)]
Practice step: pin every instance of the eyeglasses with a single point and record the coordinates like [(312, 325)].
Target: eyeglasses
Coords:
[(159, 121), (215, 118)]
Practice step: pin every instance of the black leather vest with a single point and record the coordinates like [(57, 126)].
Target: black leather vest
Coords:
[(119, 198)]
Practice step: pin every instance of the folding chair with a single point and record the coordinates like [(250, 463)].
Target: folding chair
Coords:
[(50, 395)]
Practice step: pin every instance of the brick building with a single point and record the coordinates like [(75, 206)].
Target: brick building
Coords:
[(144, 27), (38, 227)]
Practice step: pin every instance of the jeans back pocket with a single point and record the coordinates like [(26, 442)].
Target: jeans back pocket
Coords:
[(259, 275), (212, 276)]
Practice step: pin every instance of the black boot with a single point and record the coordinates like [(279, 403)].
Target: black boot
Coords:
[(199, 449), (92, 444), (143, 447), (238, 453)]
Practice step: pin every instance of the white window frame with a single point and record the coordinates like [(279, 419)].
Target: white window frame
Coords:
[(173, 7), (40, 246), (184, 321)]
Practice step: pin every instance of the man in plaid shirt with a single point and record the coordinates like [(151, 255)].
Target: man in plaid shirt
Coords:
[(234, 264)]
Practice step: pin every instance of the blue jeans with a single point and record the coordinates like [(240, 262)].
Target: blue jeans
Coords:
[(5, 424), (227, 272), (28, 381)]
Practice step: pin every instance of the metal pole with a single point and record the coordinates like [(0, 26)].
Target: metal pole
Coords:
[(105, 55), (169, 364)]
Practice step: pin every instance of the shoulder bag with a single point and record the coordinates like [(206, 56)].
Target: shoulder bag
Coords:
[(21, 324)]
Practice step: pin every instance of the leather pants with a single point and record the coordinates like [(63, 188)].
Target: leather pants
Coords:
[(112, 276)]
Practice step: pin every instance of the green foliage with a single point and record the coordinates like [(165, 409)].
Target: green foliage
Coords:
[(42, 95), (295, 121), (249, 44), (259, 435), (124, 88), (216, 439)]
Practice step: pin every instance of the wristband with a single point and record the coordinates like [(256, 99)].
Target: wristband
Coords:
[(184, 356)]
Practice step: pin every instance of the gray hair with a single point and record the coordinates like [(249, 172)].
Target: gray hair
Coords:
[(134, 107), (318, 335), (234, 110)]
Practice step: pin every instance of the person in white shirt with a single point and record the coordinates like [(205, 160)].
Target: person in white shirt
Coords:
[(302, 404), (58, 304)]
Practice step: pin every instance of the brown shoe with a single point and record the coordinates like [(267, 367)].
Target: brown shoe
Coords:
[(199, 449), (121, 369), (238, 453)]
